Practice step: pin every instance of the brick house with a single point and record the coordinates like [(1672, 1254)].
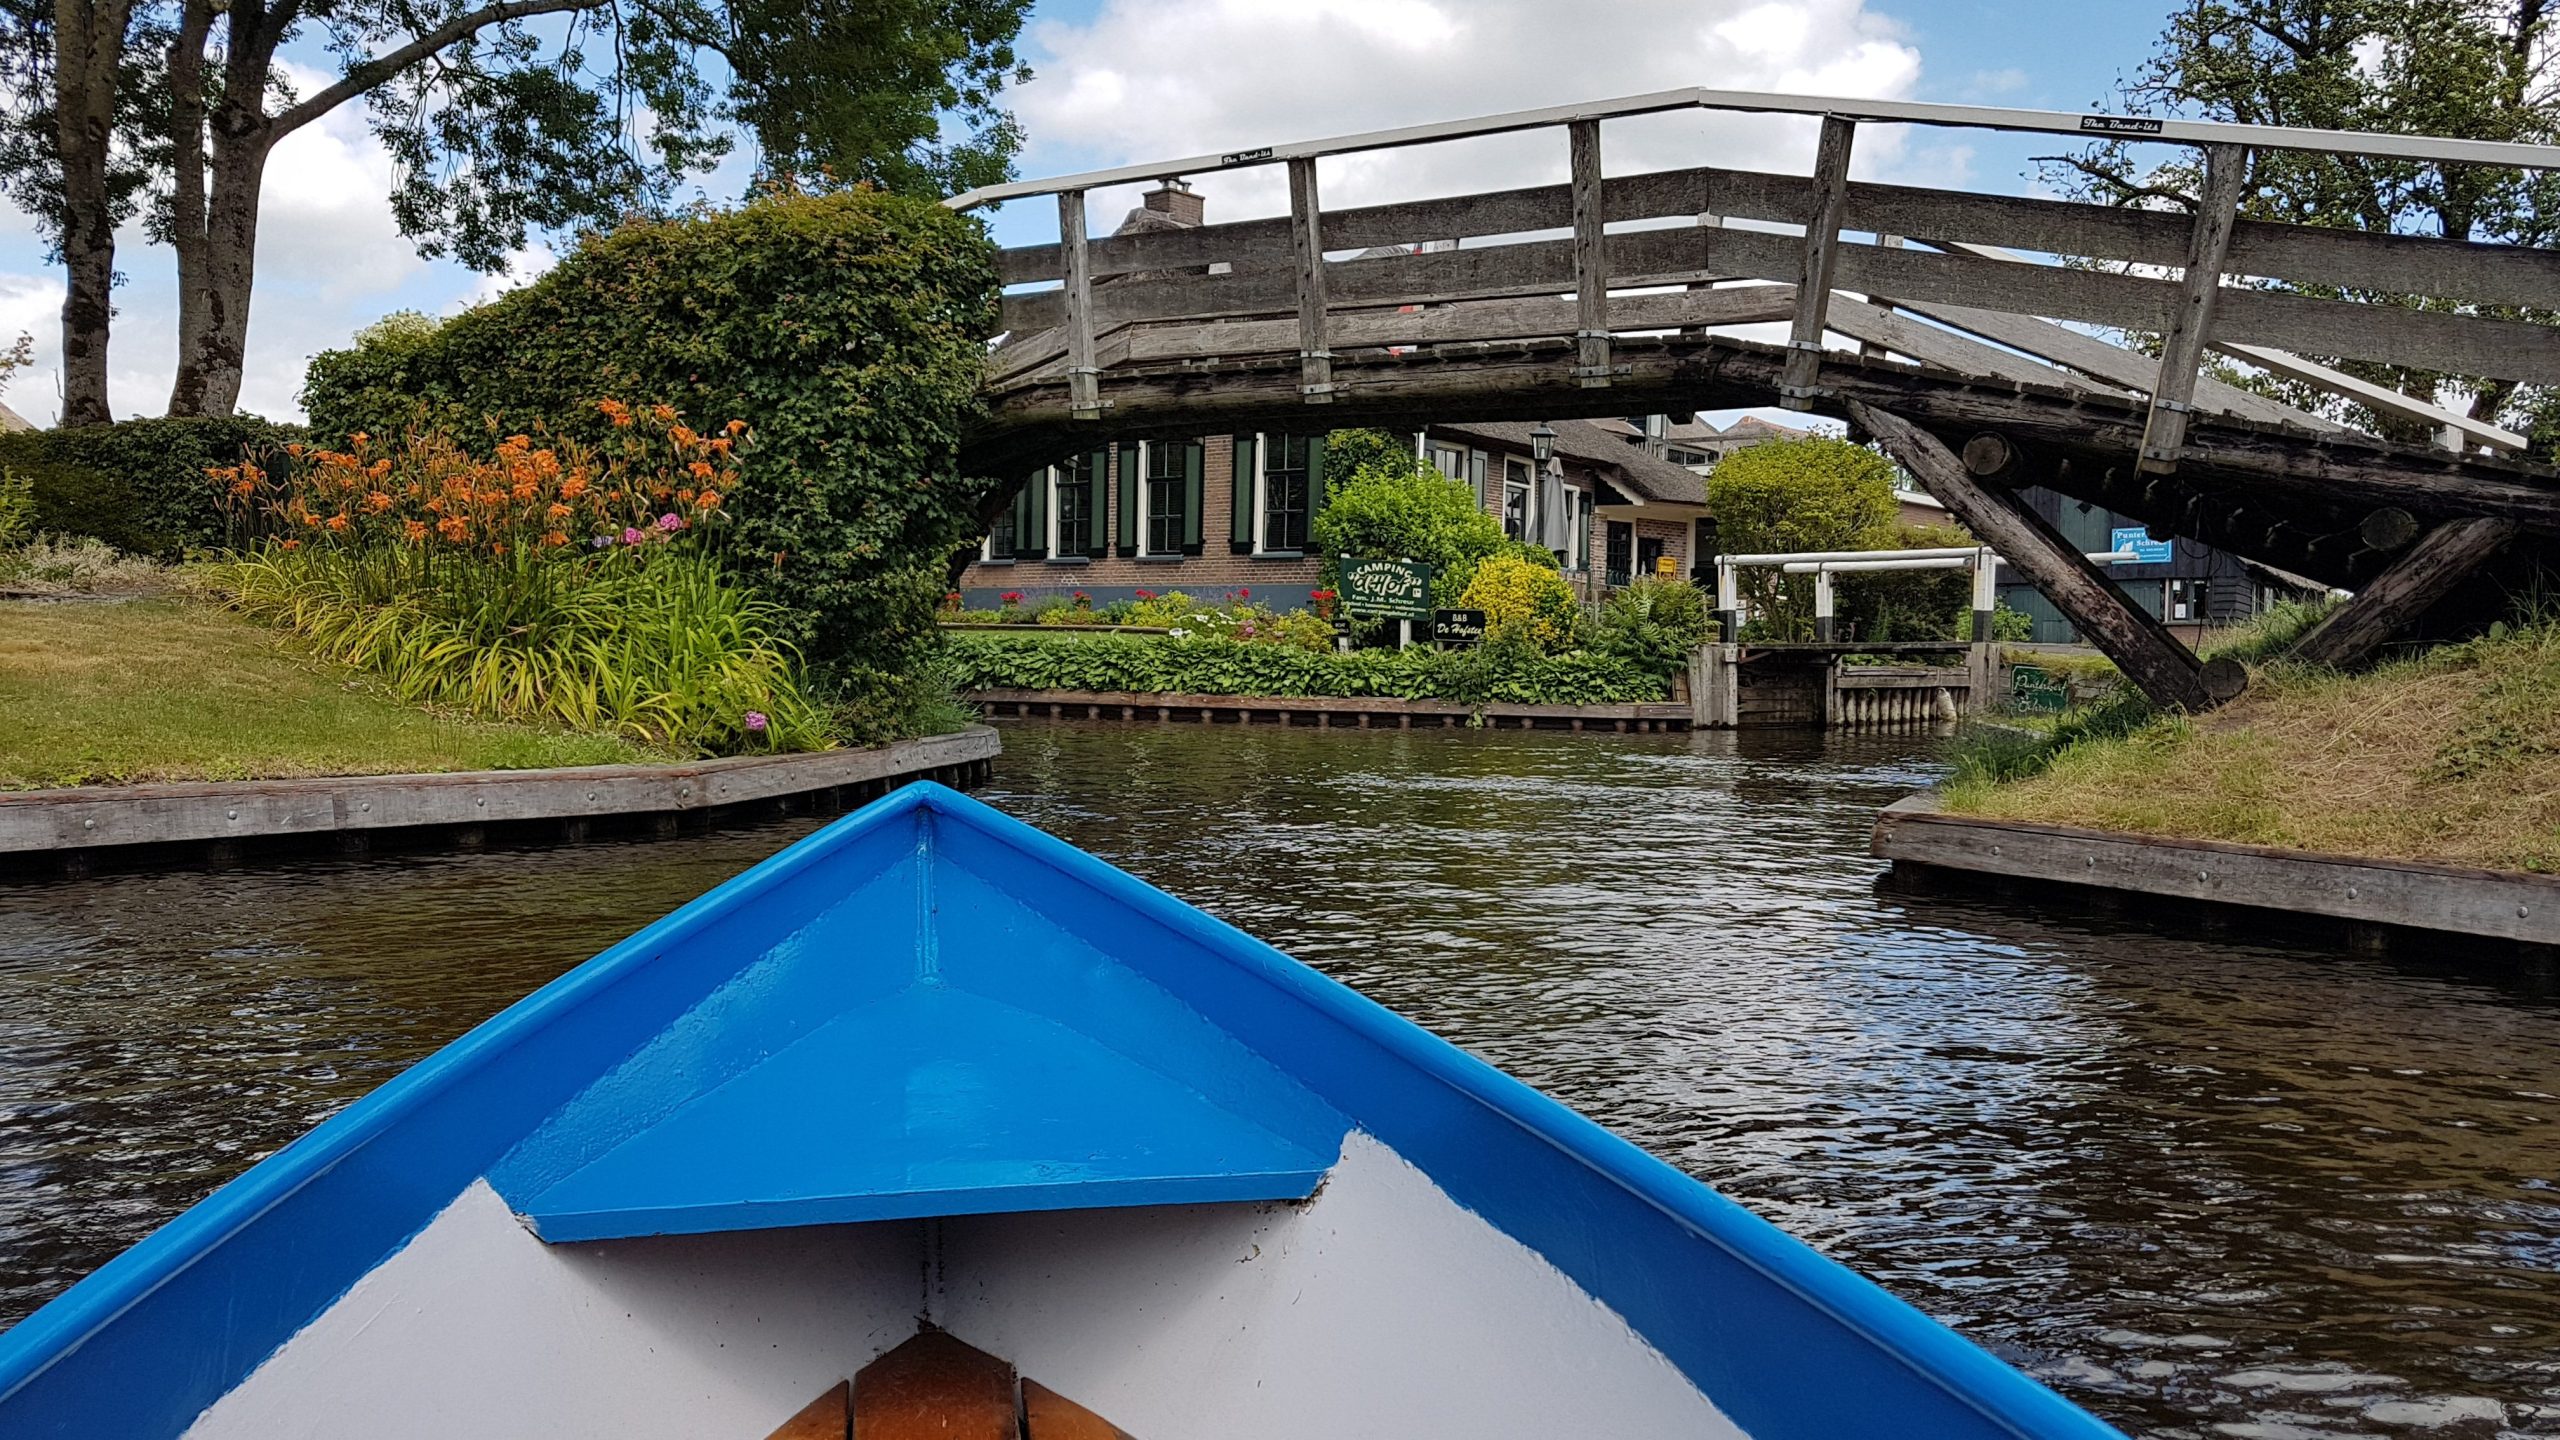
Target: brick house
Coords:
[(1227, 512)]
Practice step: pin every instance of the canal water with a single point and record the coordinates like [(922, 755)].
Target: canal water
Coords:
[(2206, 1188)]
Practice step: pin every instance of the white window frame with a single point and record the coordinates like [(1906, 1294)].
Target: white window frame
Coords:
[(1528, 499), (1049, 477)]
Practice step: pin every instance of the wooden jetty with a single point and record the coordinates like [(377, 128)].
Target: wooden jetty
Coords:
[(225, 819), (2379, 897)]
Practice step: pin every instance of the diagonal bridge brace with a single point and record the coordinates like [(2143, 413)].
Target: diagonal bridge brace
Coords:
[(2167, 672)]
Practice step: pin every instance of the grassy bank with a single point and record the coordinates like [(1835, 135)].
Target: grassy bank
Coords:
[(162, 689), (2454, 757)]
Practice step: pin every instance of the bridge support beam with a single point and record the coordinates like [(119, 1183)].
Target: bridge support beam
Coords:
[(2166, 671), (1801, 385), (2398, 596), (2164, 434), (1084, 377)]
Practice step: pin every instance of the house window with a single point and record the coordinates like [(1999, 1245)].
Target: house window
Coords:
[(1164, 497), (1000, 536), (1515, 499), (1449, 460), (1070, 510), (1285, 463), (1648, 555), (1620, 558)]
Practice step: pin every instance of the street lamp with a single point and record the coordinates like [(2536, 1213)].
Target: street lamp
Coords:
[(1542, 444)]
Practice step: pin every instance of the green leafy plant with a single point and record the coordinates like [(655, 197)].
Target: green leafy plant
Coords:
[(850, 326), (1652, 624), (1523, 601), (17, 507)]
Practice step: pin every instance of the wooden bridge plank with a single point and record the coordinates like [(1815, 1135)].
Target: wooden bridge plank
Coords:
[(2147, 653), (2398, 264), (1590, 259), (2424, 574), (1466, 320), (1821, 260), (1306, 215), (1949, 351)]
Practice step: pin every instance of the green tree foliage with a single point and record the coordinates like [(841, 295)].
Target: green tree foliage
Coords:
[(1396, 506), (503, 117), (2476, 69), (1794, 495), (1883, 605), (139, 485), (845, 328)]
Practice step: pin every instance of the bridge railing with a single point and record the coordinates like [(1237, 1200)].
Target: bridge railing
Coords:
[(1961, 298)]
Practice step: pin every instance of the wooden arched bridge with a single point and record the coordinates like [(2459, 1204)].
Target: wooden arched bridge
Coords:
[(1954, 328)]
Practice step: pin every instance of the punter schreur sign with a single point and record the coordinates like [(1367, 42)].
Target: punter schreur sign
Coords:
[(1386, 589)]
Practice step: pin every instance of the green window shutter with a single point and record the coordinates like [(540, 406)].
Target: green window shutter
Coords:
[(1031, 518), (1097, 505), (1195, 455), (1240, 502), (1315, 489), (1132, 501)]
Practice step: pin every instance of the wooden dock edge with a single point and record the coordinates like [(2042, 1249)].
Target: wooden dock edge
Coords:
[(1324, 711), (2401, 894), (89, 818)]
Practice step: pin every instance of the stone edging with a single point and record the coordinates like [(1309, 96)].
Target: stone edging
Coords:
[(2410, 894), (92, 817)]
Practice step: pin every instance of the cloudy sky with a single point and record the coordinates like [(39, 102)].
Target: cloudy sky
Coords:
[(1130, 80)]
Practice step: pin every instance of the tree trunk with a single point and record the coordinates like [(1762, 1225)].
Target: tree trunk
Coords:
[(213, 290), (88, 49)]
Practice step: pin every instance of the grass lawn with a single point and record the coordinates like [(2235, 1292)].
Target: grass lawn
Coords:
[(165, 689), (2454, 757)]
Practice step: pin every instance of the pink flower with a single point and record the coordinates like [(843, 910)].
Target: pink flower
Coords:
[(756, 722), (671, 522), (633, 536)]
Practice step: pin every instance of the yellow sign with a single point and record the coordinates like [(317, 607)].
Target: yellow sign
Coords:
[(1666, 566)]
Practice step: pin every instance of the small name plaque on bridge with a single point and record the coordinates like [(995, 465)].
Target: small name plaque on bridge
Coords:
[(1386, 589), (2119, 125)]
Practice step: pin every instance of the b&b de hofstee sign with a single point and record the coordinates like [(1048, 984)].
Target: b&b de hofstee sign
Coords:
[(1386, 589), (1457, 627)]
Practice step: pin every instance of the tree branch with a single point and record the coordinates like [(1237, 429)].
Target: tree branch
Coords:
[(364, 77)]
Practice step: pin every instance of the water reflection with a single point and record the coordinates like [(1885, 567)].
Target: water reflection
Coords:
[(2206, 1188)]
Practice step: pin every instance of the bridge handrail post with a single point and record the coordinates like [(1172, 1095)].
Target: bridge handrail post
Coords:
[(2164, 430), (1590, 259), (1306, 236), (1799, 383), (1084, 377)]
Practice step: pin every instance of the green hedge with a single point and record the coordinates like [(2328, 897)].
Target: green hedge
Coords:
[(849, 329), (139, 486), (1201, 666)]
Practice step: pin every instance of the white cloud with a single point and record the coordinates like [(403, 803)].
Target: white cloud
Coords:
[(1150, 79)]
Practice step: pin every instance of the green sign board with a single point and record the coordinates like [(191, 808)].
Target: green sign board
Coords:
[(1386, 589)]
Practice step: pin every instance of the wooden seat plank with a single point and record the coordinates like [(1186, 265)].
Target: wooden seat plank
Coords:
[(933, 1387), (1048, 1415), (825, 1418)]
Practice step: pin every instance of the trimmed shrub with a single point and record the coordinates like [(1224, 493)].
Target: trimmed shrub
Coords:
[(1397, 507), (1522, 602), (1154, 664), (850, 327), (140, 485)]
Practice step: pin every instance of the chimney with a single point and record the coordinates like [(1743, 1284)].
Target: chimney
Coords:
[(1175, 201)]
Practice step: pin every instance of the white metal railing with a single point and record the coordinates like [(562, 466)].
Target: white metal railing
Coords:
[(2440, 149)]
